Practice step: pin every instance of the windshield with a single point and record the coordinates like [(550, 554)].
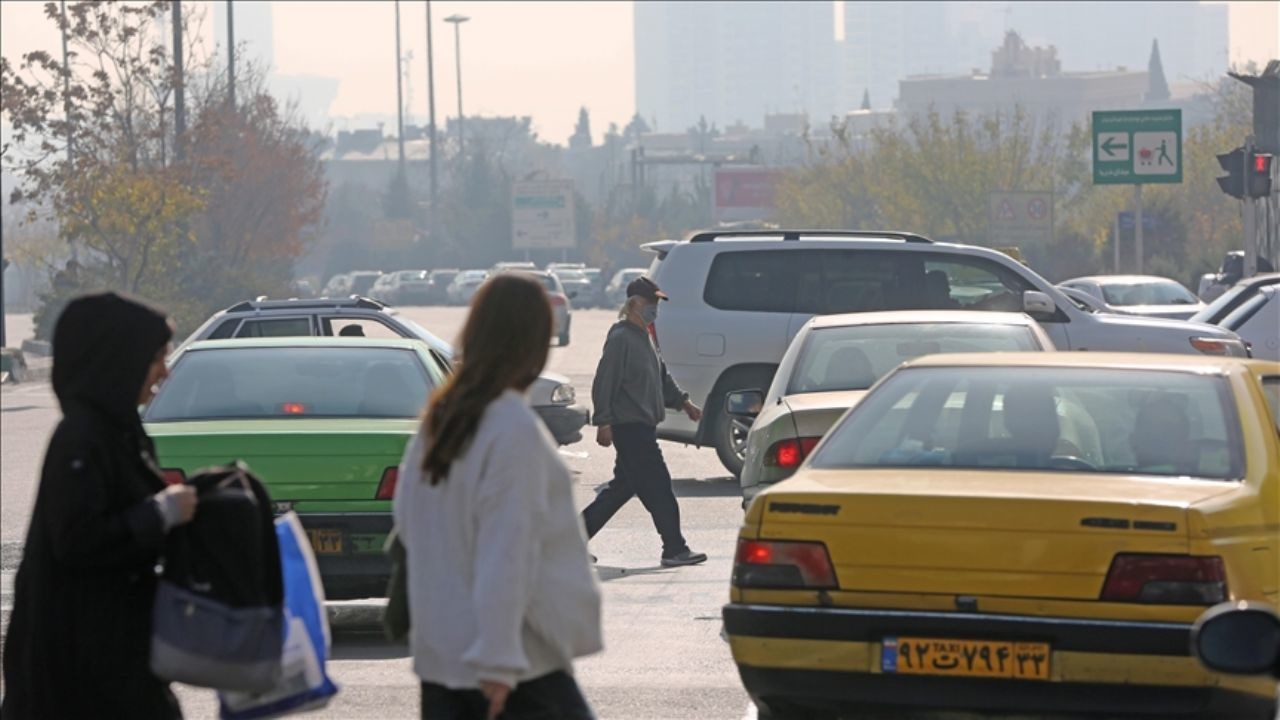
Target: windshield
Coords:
[(855, 357), (294, 382), (413, 275), (361, 283), (1087, 420), (1148, 293)]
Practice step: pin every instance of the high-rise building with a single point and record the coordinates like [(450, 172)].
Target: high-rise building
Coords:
[(887, 41), (734, 62), (254, 32)]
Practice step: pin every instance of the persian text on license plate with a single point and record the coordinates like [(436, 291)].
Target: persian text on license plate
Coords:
[(965, 658), (326, 541)]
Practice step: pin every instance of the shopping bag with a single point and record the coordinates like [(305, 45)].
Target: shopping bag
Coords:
[(304, 684)]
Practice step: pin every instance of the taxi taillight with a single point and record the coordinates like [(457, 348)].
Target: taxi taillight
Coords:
[(783, 564), (387, 485), (1166, 579)]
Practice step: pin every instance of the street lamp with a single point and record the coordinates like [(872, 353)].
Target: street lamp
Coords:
[(457, 21)]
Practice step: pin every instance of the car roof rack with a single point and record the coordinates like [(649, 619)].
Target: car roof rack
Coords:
[(793, 235), (263, 303)]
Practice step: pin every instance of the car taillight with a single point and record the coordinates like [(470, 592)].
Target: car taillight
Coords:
[(387, 486), (557, 300), (1166, 580), (173, 477), (1210, 346), (788, 454), (292, 408), (783, 564)]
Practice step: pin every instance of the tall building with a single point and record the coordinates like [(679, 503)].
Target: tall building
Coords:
[(254, 32), (885, 41), (734, 62)]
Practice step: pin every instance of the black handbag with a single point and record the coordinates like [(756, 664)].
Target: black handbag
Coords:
[(218, 620)]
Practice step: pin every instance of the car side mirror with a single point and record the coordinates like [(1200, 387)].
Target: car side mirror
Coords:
[(1035, 303), (1240, 638), (744, 403)]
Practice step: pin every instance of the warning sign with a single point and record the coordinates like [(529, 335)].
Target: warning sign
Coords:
[(1020, 218)]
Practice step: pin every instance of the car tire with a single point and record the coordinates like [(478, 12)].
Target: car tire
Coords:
[(730, 438)]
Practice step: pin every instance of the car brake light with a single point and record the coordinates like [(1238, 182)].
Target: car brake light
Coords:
[(783, 564), (1210, 346), (387, 486), (557, 300), (173, 477), (788, 454), (1166, 580), (293, 408)]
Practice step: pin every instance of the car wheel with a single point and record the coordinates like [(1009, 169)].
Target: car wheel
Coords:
[(730, 441), (564, 338)]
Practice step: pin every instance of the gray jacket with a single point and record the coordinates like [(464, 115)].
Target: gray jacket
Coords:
[(632, 384)]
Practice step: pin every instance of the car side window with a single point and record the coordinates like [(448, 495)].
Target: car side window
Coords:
[(360, 327), (754, 281), (1271, 388), (841, 281), (972, 284), (225, 330), (275, 327)]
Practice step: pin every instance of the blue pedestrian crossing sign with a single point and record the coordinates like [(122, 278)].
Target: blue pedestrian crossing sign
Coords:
[(1137, 147)]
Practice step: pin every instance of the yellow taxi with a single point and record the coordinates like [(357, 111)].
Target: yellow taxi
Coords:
[(1028, 532)]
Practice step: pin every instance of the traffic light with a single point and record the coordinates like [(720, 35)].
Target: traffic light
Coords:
[(1233, 163), (1260, 175)]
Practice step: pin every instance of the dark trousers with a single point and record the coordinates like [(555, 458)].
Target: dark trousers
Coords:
[(639, 471), (554, 696)]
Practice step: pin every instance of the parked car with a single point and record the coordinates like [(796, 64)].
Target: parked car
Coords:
[(835, 359), (513, 265), (408, 287), (303, 288), (576, 285), (561, 307), (595, 298), (1016, 533), (338, 286), (1257, 321), (1145, 295), (1237, 295), (440, 280), (1239, 638), (464, 286), (552, 396), (383, 290), (738, 297), (323, 421), (361, 281), (616, 291), (1230, 272)]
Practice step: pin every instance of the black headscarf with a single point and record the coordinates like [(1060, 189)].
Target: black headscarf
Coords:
[(103, 346)]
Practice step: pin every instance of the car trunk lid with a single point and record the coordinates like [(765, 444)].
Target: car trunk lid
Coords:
[(815, 413), (1046, 535)]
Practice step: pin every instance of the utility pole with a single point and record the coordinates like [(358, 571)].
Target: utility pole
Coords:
[(1250, 214), (399, 94), (457, 21), (231, 55), (66, 85), (179, 97), (1137, 225), (431, 113)]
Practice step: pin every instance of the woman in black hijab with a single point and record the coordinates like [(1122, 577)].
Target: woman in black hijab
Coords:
[(79, 636)]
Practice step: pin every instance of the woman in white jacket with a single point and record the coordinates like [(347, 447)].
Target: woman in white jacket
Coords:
[(502, 596)]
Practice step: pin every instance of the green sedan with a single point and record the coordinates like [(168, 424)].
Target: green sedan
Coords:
[(324, 423)]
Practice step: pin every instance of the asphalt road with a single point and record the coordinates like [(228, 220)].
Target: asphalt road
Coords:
[(664, 657)]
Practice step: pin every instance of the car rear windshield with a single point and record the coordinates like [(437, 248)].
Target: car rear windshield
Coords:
[(310, 382), (1087, 420), (1147, 293), (855, 357)]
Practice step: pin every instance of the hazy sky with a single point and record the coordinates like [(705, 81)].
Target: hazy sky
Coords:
[(543, 59)]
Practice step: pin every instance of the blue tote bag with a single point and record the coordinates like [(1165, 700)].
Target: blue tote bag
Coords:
[(304, 685)]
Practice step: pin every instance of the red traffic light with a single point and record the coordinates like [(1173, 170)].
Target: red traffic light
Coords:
[(1261, 164)]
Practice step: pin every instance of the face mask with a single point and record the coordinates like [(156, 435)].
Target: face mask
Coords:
[(649, 313)]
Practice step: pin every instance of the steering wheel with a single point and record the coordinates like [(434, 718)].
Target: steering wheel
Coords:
[(1070, 462)]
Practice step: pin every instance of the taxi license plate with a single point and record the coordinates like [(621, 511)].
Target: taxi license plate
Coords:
[(965, 658), (326, 542)]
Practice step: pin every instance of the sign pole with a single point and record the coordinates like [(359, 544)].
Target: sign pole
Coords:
[(1115, 243), (1137, 224), (1250, 215)]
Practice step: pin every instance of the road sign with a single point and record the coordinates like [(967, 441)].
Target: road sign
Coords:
[(1137, 147), (1149, 222), (542, 215), (1020, 218)]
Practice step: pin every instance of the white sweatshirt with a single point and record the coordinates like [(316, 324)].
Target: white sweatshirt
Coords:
[(500, 583)]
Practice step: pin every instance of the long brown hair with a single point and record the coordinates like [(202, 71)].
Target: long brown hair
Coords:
[(504, 346)]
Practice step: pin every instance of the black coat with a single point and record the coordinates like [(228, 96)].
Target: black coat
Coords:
[(79, 636)]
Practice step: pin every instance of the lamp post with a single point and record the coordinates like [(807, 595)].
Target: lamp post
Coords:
[(457, 21), (431, 111)]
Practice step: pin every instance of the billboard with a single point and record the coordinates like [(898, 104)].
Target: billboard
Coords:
[(745, 193), (542, 215)]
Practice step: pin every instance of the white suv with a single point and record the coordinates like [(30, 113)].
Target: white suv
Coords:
[(738, 297)]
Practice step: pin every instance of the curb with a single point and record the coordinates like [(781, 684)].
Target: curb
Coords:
[(356, 614)]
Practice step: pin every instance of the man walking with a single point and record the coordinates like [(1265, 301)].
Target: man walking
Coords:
[(631, 392)]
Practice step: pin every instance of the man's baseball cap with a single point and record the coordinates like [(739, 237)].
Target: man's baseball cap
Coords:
[(645, 288)]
